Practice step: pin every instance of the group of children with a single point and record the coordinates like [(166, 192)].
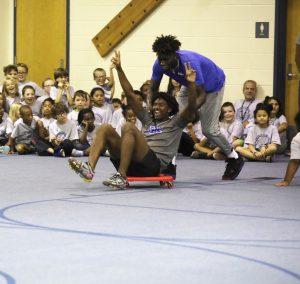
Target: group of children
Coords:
[(255, 129), (53, 120), (56, 120)]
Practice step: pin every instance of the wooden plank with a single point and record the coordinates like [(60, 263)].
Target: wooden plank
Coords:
[(123, 23)]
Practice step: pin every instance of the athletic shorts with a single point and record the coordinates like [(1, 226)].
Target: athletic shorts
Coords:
[(150, 166)]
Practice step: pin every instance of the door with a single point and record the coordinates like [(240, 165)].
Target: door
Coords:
[(292, 82), (41, 36)]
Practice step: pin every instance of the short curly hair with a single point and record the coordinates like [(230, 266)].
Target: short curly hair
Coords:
[(166, 44), (169, 99)]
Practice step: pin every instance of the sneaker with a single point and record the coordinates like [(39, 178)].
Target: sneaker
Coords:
[(83, 169), (233, 168), (195, 155), (60, 153), (4, 149), (116, 181), (170, 171), (76, 153)]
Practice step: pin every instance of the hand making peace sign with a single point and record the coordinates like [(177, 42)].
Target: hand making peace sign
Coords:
[(190, 72)]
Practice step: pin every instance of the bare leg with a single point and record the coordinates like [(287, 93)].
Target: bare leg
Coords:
[(291, 170), (22, 149), (247, 154), (202, 149), (133, 147), (106, 136)]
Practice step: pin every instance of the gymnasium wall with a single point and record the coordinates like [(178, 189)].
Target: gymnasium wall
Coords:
[(223, 30)]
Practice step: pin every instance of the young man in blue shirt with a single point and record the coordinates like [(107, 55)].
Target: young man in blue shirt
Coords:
[(209, 82)]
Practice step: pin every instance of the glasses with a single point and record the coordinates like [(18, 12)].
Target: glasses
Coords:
[(22, 72), (61, 114)]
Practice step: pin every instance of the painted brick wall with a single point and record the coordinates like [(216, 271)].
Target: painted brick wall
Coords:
[(223, 30)]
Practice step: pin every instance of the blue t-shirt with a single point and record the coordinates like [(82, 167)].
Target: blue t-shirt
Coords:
[(208, 73)]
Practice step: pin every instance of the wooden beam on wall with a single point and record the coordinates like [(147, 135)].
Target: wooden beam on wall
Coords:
[(123, 23)]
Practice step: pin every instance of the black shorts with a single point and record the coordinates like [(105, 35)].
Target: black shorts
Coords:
[(150, 166)]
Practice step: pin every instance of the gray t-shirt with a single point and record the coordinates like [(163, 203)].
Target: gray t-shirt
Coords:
[(64, 131), (162, 137), (35, 107), (232, 130), (260, 137), (244, 110), (23, 133)]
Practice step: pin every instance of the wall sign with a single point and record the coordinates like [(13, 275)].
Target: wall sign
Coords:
[(262, 29)]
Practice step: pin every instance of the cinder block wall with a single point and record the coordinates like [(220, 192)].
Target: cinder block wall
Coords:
[(223, 30)]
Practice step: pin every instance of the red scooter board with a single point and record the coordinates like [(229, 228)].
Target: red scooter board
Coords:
[(168, 180)]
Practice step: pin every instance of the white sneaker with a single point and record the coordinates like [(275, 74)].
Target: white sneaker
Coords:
[(4, 149), (116, 181)]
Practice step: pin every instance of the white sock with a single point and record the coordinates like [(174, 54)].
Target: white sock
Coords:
[(233, 154), (76, 153), (174, 160)]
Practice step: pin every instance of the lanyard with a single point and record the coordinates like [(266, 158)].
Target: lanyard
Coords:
[(243, 114)]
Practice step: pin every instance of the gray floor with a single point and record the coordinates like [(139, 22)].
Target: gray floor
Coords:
[(56, 229)]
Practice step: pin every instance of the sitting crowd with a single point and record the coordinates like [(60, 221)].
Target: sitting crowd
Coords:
[(257, 129), (57, 121)]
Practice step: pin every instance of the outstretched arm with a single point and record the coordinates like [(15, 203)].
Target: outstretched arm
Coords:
[(189, 112), (291, 170), (154, 88), (125, 84), (111, 82)]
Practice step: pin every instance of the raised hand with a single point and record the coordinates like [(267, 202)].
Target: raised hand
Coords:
[(190, 72), (116, 60)]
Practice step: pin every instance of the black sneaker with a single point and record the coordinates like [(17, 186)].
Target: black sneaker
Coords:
[(170, 171), (233, 168)]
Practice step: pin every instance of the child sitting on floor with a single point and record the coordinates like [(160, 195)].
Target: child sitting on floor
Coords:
[(26, 129), (101, 109), (263, 139), (230, 127), (11, 92), (86, 130), (107, 84), (278, 119), (47, 114), (128, 116), (63, 133), (79, 100), (29, 99)]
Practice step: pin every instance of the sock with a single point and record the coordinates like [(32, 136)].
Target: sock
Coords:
[(233, 154), (76, 153), (174, 160)]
